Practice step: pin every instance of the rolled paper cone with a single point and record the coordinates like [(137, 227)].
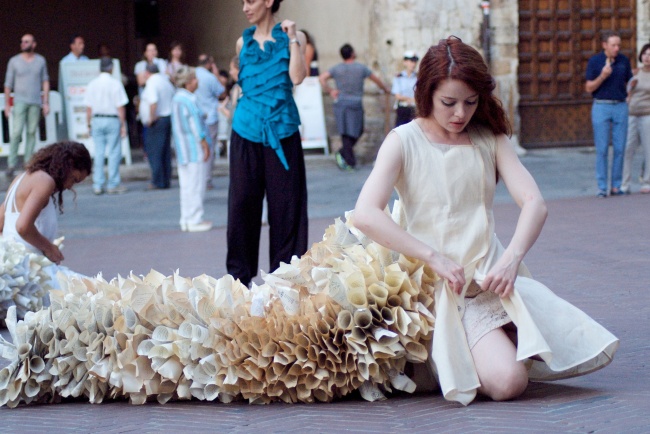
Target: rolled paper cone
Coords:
[(338, 337), (406, 300), (416, 352), (363, 318), (394, 279), (36, 364), (387, 316), (358, 347), (46, 335), (270, 350), (80, 353), (302, 354), (357, 297), (379, 293), (6, 374), (407, 286), (369, 274), (394, 301), (31, 388), (23, 351), (331, 347), (287, 347), (322, 360), (322, 395), (211, 392), (345, 320), (377, 319), (314, 337), (370, 392), (302, 391), (385, 337), (402, 320), (401, 382), (302, 340), (357, 334), (410, 265), (312, 353), (363, 369), (322, 327), (380, 351), (309, 367)]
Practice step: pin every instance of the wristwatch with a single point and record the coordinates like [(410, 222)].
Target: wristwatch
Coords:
[(294, 40)]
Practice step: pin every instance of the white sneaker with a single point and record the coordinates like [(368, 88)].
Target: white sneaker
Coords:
[(198, 227)]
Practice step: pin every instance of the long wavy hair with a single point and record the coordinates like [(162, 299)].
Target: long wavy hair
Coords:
[(453, 59), (58, 160)]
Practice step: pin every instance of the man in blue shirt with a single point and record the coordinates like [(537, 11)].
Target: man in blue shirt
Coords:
[(207, 98), (607, 75), (77, 46)]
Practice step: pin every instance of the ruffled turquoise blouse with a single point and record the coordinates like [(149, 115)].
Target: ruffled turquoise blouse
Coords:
[(266, 111)]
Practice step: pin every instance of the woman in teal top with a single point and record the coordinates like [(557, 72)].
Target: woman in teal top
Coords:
[(265, 148)]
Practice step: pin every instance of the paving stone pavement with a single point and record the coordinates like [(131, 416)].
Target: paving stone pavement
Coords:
[(592, 252)]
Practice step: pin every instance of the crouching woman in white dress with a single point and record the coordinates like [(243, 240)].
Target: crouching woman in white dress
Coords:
[(29, 257)]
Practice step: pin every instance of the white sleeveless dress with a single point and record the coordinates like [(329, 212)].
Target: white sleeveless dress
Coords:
[(46, 222), (447, 192), (27, 276)]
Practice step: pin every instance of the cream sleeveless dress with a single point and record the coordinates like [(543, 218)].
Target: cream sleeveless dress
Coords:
[(446, 192)]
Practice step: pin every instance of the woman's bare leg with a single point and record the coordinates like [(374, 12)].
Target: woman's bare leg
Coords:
[(502, 377)]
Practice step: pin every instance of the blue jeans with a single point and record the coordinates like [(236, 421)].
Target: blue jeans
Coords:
[(24, 115), (157, 144), (606, 118), (106, 137)]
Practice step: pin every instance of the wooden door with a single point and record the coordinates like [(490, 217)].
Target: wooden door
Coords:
[(556, 39)]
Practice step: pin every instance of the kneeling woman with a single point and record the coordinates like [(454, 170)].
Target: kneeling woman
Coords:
[(444, 166)]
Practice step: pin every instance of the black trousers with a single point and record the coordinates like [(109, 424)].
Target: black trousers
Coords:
[(347, 150), (157, 144), (404, 115), (255, 169)]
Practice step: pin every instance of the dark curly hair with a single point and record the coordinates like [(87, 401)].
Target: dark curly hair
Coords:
[(58, 160)]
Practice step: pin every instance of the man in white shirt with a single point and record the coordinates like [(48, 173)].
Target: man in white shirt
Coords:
[(105, 100), (77, 46), (157, 96)]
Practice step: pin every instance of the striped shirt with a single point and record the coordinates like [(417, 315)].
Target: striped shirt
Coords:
[(188, 128)]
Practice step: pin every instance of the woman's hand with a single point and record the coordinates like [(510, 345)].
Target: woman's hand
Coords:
[(448, 269), (501, 277), (289, 27), (53, 253)]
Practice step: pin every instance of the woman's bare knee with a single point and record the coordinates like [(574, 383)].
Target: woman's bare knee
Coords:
[(502, 377), (510, 385)]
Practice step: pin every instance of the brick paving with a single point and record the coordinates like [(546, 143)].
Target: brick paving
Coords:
[(592, 252)]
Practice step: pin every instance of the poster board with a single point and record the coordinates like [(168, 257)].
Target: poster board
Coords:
[(73, 81), (309, 99)]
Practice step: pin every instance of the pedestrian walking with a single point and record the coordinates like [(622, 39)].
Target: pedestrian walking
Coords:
[(348, 102)]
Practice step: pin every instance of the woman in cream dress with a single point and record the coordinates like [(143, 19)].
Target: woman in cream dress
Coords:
[(444, 166)]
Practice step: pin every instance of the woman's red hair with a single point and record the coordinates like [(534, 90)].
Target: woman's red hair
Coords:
[(452, 59)]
